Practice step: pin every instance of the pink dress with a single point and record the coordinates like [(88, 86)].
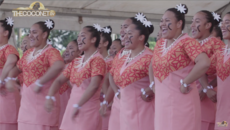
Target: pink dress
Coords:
[(135, 113), (208, 108), (9, 104), (64, 92), (114, 120), (220, 65), (105, 120), (88, 117), (174, 110), (32, 115)]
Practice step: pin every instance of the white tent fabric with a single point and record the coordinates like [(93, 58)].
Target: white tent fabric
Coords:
[(108, 12)]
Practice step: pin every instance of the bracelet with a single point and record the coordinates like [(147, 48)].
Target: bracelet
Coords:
[(143, 92), (151, 85), (1, 82), (9, 78), (104, 103), (117, 93), (51, 97), (76, 106), (38, 84), (184, 84), (205, 90)]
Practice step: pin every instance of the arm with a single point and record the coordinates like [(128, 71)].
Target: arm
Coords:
[(11, 85), (112, 83), (105, 84)]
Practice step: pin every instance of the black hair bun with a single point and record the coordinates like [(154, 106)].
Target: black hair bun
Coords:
[(107, 30), (185, 6)]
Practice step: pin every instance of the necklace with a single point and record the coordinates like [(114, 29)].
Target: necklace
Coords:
[(166, 49), (3, 46), (81, 63), (31, 57), (204, 41), (130, 59), (227, 50), (106, 58), (124, 53)]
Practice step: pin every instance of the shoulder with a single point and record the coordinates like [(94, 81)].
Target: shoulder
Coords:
[(216, 40), (97, 58)]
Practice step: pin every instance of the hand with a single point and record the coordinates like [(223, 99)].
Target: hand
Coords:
[(148, 96), (103, 110), (212, 95), (75, 113), (49, 105), (3, 91), (202, 94), (185, 90), (11, 86), (37, 89)]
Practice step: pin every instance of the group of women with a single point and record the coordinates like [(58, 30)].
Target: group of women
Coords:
[(100, 84)]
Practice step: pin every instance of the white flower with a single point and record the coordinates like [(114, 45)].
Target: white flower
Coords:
[(106, 30), (140, 17), (220, 24), (216, 16), (181, 8), (49, 24), (10, 21), (49, 42), (147, 23), (97, 26)]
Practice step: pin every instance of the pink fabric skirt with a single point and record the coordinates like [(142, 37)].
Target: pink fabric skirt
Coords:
[(114, 120), (105, 121), (207, 126), (64, 97), (5, 126), (24, 126)]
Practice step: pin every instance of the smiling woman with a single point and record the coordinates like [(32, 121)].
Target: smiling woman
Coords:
[(39, 65)]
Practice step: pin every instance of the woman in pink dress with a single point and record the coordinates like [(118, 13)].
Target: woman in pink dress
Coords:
[(39, 65), (220, 63), (177, 103), (85, 74), (202, 26), (70, 54), (104, 46), (9, 102), (131, 76)]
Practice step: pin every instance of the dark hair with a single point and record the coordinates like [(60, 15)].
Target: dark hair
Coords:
[(179, 16), (94, 33), (119, 40), (75, 41), (107, 36), (44, 28), (210, 19), (7, 27), (228, 13), (147, 44), (218, 31), (146, 31)]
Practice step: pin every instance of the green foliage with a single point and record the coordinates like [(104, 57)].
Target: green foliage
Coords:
[(152, 42)]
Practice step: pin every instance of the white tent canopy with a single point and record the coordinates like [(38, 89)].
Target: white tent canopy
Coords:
[(108, 12)]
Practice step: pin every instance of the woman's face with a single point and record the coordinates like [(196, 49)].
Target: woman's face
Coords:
[(102, 45), (124, 26), (132, 37), (115, 48), (36, 35), (199, 25), (25, 45), (169, 25), (225, 27), (71, 51), (3, 32), (85, 40)]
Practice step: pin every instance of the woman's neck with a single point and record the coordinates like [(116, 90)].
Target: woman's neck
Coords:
[(104, 53), (137, 50), (41, 46), (89, 52), (3, 42), (178, 34), (228, 43), (205, 35)]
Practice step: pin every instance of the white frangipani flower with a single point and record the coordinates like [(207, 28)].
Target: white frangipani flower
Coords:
[(147, 23), (181, 8), (216, 16), (97, 26), (140, 17), (49, 24), (10, 21), (106, 30)]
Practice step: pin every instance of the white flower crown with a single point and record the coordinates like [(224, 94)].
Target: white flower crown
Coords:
[(181, 8), (106, 30), (49, 24), (141, 17), (9, 21), (97, 27), (216, 16)]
